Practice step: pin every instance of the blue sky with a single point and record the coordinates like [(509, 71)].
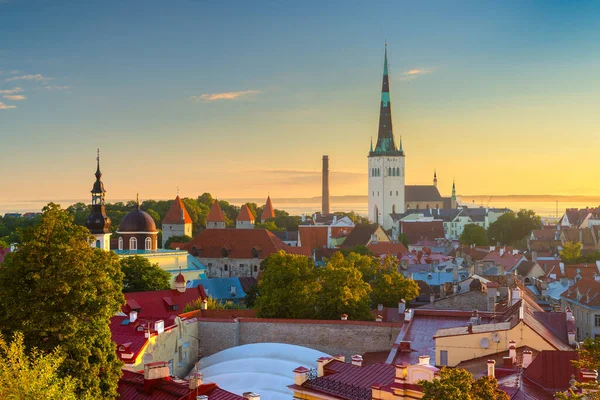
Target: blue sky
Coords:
[(243, 98)]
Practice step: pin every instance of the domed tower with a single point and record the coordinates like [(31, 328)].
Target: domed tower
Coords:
[(137, 231), (98, 222)]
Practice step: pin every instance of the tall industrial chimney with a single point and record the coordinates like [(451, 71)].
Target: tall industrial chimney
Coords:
[(325, 195)]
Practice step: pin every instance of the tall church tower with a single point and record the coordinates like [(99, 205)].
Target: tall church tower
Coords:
[(98, 222), (386, 164)]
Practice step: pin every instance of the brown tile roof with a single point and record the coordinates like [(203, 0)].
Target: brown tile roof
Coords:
[(238, 242), (552, 370), (507, 260), (416, 231), (312, 236), (583, 235), (245, 214), (360, 235), (585, 291), (545, 234), (215, 214), (268, 211), (571, 271), (174, 214), (421, 193), (525, 268)]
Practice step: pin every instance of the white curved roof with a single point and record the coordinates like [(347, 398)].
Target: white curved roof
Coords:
[(263, 368)]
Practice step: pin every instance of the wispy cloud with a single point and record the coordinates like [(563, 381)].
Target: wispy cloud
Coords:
[(11, 91), (291, 177), (57, 87), (15, 97), (6, 106), (36, 77), (416, 72), (224, 95)]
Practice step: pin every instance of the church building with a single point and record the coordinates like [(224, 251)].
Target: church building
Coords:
[(388, 194), (98, 222)]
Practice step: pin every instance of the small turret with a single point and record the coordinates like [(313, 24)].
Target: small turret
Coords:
[(180, 282)]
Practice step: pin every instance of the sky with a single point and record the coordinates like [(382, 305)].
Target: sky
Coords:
[(242, 99)]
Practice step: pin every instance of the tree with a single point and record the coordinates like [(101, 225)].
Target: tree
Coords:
[(456, 383), (288, 287), (389, 288), (80, 212), (526, 222), (177, 239), (473, 234), (513, 229), (59, 291), (571, 252), (358, 249), (589, 358), (343, 291), (501, 230), (140, 275), (402, 238), (32, 375), (251, 296)]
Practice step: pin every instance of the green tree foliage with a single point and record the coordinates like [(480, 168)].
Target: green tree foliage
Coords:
[(288, 287), (513, 229), (456, 383), (358, 249), (357, 219), (571, 252), (140, 275), (269, 225), (251, 296), (10, 227), (391, 287), (59, 291), (32, 375), (177, 239), (212, 304), (80, 212), (589, 358), (474, 234), (402, 238), (343, 291)]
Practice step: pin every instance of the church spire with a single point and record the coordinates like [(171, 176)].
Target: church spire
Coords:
[(385, 136), (434, 178), (98, 222)]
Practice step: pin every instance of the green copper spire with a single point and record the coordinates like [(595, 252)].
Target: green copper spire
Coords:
[(453, 190), (371, 144), (385, 137)]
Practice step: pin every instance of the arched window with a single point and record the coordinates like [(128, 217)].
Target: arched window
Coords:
[(393, 209), (396, 193), (148, 243), (133, 244), (98, 245), (398, 171), (120, 243), (417, 206), (390, 171)]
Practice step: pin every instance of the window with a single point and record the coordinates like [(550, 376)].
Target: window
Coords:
[(396, 193), (133, 244), (120, 243), (398, 171), (98, 244), (597, 320), (390, 192), (173, 307), (225, 267), (256, 268), (148, 243), (180, 352), (443, 357), (224, 252)]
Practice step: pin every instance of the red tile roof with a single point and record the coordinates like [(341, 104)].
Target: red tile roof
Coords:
[(173, 216), (417, 231), (507, 260), (585, 291), (239, 242), (268, 211), (553, 369), (131, 387), (128, 336), (215, 214), (311, 236), (245, 214), (545, 234), (153, 306), (385, 248)]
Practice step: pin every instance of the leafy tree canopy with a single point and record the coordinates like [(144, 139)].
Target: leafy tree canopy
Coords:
[(589, 358), (32, 375), (513, 229), (140, 275), (474, 234), (177, 239), (59, 291), (456, 383), (391, 287), (571, 252)]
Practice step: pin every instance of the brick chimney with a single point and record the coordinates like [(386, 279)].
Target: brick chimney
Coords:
[(424, 360), (470, 327), (195, 379), (491, 368), (321, 363), (357, 360), (300, 375), (527, 358), (512, 351), (325, 193), (154, 372)]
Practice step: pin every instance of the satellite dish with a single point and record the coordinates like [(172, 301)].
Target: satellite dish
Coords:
[(147, 358), (496, 337), (484, 343)]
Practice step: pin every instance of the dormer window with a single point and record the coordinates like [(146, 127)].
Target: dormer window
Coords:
[(256, 252), (140, 328), (224, 252)]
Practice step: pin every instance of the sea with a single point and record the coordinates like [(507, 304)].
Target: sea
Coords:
[(548, 207)]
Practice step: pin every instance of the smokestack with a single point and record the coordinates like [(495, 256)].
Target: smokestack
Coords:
[(325, 194)]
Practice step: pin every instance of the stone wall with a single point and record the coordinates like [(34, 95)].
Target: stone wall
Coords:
[(332, 337)]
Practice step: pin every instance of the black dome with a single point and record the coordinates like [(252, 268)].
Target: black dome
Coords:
[(137, 221)]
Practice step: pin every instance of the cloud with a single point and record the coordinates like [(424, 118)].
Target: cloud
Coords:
[(11, 91), (6, 106), (291, 177), (56, 87), (224, 95), (416, 72), (15, 97), (36, 77)]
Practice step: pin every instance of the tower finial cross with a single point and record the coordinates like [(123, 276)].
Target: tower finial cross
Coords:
[(98, 154)]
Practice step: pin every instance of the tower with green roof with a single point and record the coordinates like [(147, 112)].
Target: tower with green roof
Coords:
[(386, 164)]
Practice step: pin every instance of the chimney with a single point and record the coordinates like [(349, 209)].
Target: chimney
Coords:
[(401, 306), (357, 360), (527, 358), (321, 363), (159, 326), (202, 397), (507, 362), (492, 289), (379, 307), (571, 337), (470, 327), (401, 373), (195, 379), (325, 195), (491, 365), (204, 305), (432, 297), (424, 360), (300, 375), (408, 314), (156, 370), (344, 317), (132, 316), (512, 351), (251, 396), (340, 357), (516, 295), (569, 314), (379, 318)]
